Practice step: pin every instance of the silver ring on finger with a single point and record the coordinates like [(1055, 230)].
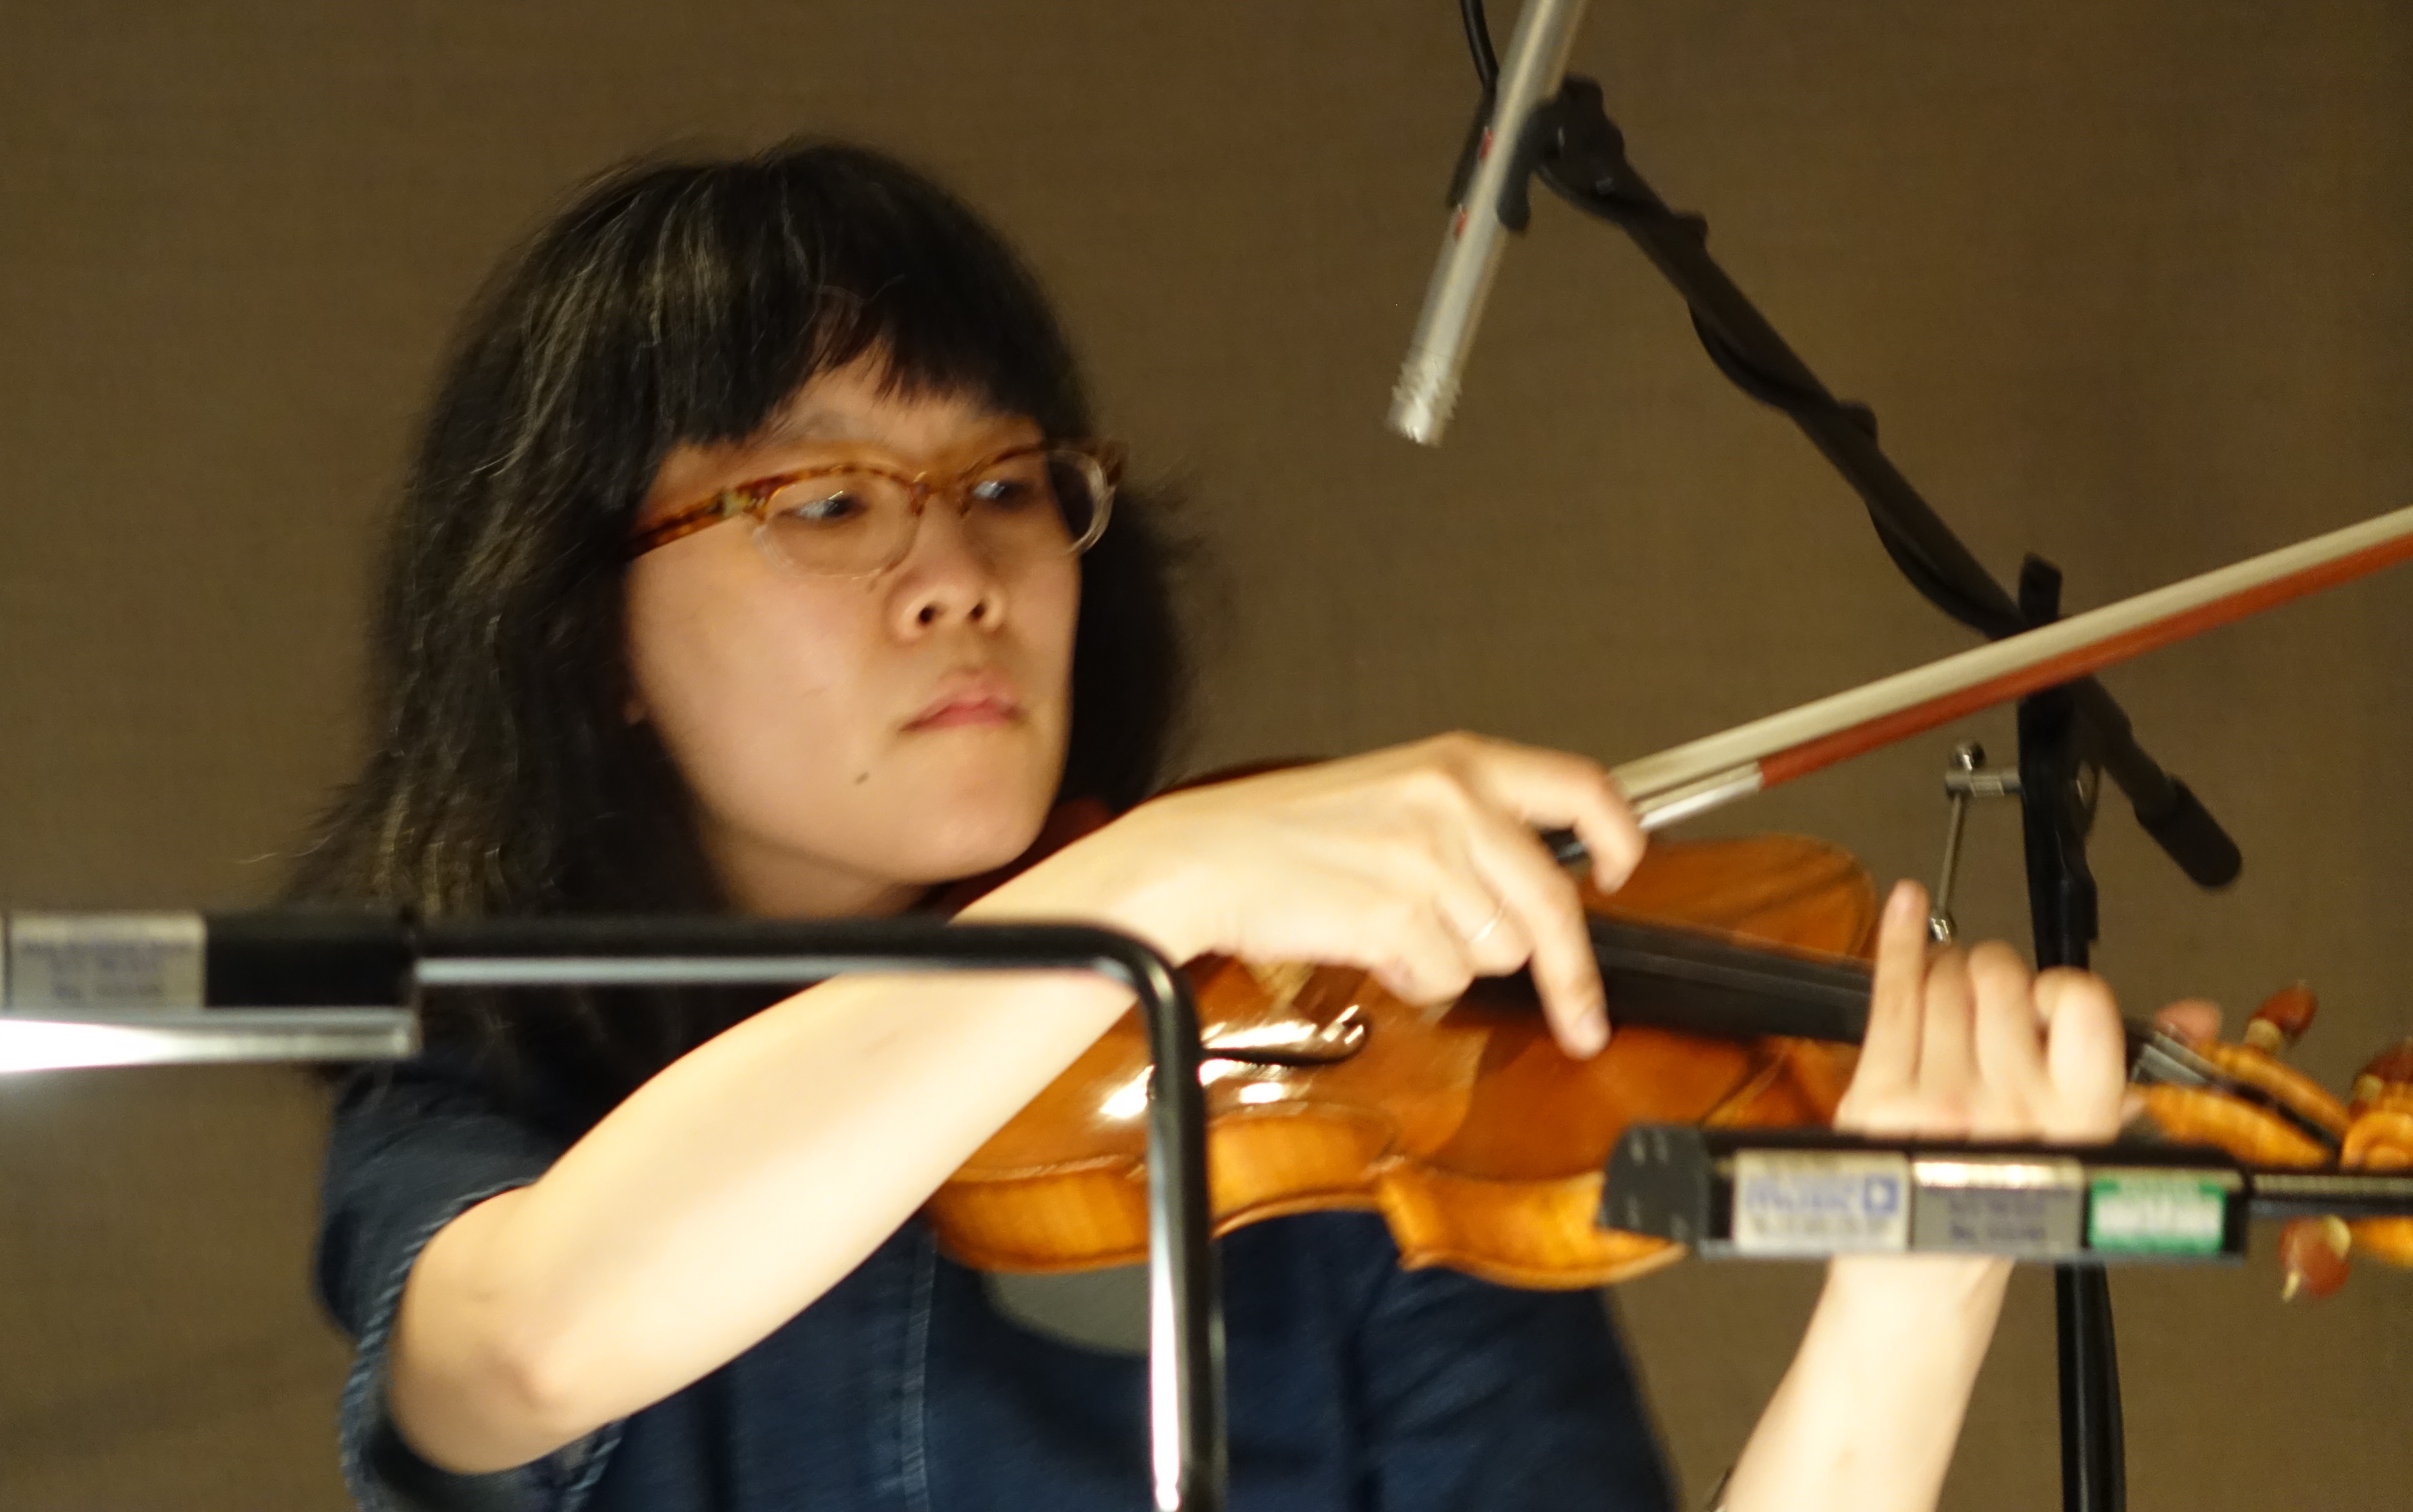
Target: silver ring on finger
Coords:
[(1485, 933)]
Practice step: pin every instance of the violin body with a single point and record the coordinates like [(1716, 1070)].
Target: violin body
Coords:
[(1480, 1142)]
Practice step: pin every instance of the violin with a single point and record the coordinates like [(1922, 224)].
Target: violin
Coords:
[(1464, 1124), (1737, 975)]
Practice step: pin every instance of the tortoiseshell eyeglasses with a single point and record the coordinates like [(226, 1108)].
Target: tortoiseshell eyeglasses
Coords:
[(858, 519)]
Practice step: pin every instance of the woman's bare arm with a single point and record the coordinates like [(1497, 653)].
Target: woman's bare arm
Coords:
[(723, 1196), (745, 1179)]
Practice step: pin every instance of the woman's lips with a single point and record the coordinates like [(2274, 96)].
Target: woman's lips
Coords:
[(974, 699), (968, 712)]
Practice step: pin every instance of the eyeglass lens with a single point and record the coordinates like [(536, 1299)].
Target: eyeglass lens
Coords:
[(1037, 505)]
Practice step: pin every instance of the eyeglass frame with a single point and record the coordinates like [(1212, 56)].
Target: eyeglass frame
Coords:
[(751, 497)]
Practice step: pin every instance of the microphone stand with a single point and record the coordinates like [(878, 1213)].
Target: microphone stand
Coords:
[(2056, 808), (271, 1006), (2066, 734)]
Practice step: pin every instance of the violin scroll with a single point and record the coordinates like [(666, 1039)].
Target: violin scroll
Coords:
[(2293, 1121), (2265, 1113), (2289, 1119)]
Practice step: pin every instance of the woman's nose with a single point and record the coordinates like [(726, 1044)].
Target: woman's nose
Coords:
[(945, 574)]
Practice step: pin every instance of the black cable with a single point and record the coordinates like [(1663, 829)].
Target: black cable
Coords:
[(1581, 156), (1796, 391), (1478, 41)]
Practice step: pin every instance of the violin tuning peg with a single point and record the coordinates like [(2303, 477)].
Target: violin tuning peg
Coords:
[(2313, 1257), (2392, 1067), (2282, 1019)]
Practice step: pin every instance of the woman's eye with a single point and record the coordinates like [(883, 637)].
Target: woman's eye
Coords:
[(1008, 494), (827, 508)]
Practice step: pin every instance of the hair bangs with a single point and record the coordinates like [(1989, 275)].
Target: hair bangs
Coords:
[(765, 273)]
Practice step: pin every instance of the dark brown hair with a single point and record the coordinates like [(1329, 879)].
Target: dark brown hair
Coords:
[(671, 304)]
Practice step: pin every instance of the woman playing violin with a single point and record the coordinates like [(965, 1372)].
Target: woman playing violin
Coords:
[(758, 556)]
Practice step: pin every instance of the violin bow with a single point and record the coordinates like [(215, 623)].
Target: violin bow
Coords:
[(1708, 773), (1705, 774)]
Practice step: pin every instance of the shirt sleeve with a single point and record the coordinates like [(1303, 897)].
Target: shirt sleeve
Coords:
[(412, 1149), (1478, 1396)]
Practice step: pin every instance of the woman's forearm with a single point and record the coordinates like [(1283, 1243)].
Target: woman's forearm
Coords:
[(728, 1193), (1866, 1418)]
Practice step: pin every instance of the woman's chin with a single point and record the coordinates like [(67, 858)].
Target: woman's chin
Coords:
[(976, 812), (974, 830)]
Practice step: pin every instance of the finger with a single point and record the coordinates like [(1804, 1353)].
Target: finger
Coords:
[(1948, 1078), (2086, 1056), (1498, 945), (1415, 952), (1612, 832), (1437, 858), (1889, 1049), (1366, 918), (1461, 927), (2010, 1041), (1548, 914), (2196, 1020), (1554, 790), (1488, 929)]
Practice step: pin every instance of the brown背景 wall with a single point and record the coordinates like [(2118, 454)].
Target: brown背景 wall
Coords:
[(2130, 284)]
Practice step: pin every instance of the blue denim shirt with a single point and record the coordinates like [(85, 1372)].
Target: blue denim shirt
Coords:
[(1353, 1384)]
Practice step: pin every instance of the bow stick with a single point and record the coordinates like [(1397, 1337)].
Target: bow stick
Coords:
[(1705, 774)]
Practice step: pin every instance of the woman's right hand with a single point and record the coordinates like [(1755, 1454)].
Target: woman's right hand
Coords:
[(1419, 863)]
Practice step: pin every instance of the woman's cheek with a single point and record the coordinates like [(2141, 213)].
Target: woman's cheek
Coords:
[(733, 674)]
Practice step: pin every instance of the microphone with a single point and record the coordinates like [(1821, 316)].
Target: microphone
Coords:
[(1470, 250)]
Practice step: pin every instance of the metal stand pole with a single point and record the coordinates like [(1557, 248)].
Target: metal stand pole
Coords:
[(2057, 800)]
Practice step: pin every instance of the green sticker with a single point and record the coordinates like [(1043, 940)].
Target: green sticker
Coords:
[(2174, 1214)]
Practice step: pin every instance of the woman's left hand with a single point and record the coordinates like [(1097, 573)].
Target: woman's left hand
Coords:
[(1959, 1045), (1973, 1045)]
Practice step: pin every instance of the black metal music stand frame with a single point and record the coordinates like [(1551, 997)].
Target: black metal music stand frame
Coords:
[(383, 960)]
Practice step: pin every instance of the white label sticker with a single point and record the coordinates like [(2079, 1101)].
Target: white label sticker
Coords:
[(104, 962), (1998, 1204), (1813, 1202)]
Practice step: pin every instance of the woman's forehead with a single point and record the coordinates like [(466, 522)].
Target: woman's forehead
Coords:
[(862, 403)]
